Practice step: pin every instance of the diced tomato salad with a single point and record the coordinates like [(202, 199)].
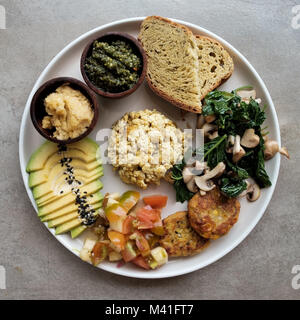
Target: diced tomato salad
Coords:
[(132, 233)]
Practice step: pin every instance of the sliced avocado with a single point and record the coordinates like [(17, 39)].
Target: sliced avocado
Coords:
[(77, 231), (95, 199), (41, 193), (70, 198), (68, 226), (63, 219), (47, 174), (65, 211), (86, 148), (50, 197), (40, 156)]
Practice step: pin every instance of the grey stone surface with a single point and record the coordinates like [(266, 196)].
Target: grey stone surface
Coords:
[(37, 266)]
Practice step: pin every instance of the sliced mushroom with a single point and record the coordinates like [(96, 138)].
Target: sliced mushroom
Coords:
[(213, 135), (258, 100), (200, 121), (201, 166), (202, 193), (204, 183), (284, 152), (230, 144), (210, 118), (247, 94), (244, 193), (191, 185), (272, 147), (210, 130), (187, 174), (254, 193), (250, 139), (238, 151)]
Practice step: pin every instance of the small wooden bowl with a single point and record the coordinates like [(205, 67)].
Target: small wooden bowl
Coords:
[(138, 49), (38, 112)]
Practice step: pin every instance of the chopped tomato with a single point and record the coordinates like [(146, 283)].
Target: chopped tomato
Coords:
[(129, 253), (117, 238), (156, 201), (99, 253), (141, 262), (127, 225), (148, 217), (142, 243), (129, 199)]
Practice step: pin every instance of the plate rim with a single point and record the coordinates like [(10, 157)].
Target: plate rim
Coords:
[(248, 229)]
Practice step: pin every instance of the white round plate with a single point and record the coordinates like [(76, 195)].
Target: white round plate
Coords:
[(67, 63)]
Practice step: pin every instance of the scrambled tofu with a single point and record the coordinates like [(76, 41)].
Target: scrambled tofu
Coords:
[(143, 146)]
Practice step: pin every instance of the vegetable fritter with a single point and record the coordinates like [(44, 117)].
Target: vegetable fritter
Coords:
[(180, 239), (213, 214)]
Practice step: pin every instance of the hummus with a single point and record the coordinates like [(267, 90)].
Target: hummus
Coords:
[(69, 112)]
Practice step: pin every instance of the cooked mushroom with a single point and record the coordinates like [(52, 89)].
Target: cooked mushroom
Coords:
[(201, 166), (230, 144), (204, 183), (244, 193), (247, 94), (238, 151), (284, 152), (200, 121), (187, 174), (272, 147), (202, 193), (210, 130), (210, 118), (191, 185), (254, 193), (250, 139)]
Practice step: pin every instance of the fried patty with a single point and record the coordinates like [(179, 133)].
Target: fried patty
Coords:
[(213, 214), (180, 239)]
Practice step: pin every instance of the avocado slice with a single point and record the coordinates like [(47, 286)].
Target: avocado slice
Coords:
[(63, 219), (40, 156), (75, 232), (70, 198), (48, 173), (63, 228), (49, 198), (93, 199), (85, 148), (45, 191), (66, 210)]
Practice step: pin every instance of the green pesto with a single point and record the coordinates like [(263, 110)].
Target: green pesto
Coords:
[(113, 66)]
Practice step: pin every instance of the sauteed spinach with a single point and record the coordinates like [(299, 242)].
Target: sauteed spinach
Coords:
[(232, 117)]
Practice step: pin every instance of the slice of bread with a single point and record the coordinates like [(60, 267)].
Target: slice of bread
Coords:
[(215, 64), (182, 68), (172, 54)]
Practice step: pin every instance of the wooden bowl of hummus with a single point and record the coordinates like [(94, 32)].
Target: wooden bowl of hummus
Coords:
[(64, 110)]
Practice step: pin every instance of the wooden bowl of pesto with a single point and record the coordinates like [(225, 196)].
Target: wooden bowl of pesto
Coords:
[(114, 64), (38, 109)]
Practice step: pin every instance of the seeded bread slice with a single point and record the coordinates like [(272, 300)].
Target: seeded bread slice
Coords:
[(215, 64), (173, 63)]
